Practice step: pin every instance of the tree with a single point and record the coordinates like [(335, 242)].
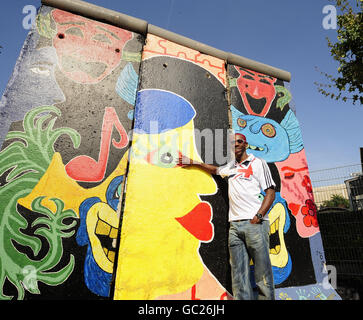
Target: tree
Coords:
[(336, 201), (348, 52)]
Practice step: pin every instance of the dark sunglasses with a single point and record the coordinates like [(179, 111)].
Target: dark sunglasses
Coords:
[(238, 140)]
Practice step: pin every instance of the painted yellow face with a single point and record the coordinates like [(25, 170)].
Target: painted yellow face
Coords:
[(164, 219), (278, 254), (56, 183), (102, 220)]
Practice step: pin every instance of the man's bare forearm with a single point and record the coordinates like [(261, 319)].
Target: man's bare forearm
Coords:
[(186, 162), (209, 168), (267, 201)]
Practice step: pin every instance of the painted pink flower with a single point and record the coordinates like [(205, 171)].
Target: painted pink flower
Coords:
[(309, 212)]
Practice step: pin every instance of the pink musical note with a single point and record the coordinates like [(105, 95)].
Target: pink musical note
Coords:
[(85, 168)]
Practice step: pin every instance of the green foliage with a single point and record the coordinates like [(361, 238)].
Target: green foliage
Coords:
[(24, 161), (348, 52), (336, 201)]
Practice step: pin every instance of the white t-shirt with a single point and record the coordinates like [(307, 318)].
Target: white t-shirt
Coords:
[(246, 180)]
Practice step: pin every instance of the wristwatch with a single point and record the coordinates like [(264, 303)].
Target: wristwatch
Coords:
[(259, 216)]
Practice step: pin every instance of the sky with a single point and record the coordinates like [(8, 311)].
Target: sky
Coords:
[(286, 34)]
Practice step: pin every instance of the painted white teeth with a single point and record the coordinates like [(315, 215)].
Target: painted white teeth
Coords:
[(274, 226), (104, 229), (255, 148), (275, 250)]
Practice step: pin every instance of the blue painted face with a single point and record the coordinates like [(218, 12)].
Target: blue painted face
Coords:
[(267, 138), (96, 278)]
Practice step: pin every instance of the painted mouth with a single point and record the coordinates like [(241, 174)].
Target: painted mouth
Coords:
[(257, 105), (278, 251), (255, 148), (198, 222), (92, 69), (275, 245), (108, 237)]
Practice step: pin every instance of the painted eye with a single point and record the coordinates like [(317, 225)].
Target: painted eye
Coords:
[(246, 76), (41, 71), (265, 81), (164, 157), (118, 191), (74, 31), (241, 122), (102, 38), (268, 130), (289, 175)]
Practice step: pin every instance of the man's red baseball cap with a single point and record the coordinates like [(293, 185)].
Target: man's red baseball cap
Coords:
[(241, 136)]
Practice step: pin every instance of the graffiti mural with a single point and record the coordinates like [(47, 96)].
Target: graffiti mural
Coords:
[(34, 68), (65, 119), (173, 223), (92, 110), (24, 160), (260, 110), (296, 188)]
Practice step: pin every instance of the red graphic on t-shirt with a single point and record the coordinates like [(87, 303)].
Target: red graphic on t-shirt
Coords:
[(245, 173)]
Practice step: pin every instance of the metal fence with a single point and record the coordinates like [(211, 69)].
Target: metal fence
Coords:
[(342, 235), (332, 186), (338, 194)]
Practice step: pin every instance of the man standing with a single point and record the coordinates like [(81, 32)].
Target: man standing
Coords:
[(249, 224)]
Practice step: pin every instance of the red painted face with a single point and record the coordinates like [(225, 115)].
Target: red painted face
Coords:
[(88, 51), (257, 91)]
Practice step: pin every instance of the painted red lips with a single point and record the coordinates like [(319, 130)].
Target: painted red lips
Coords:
[(198, 222)]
